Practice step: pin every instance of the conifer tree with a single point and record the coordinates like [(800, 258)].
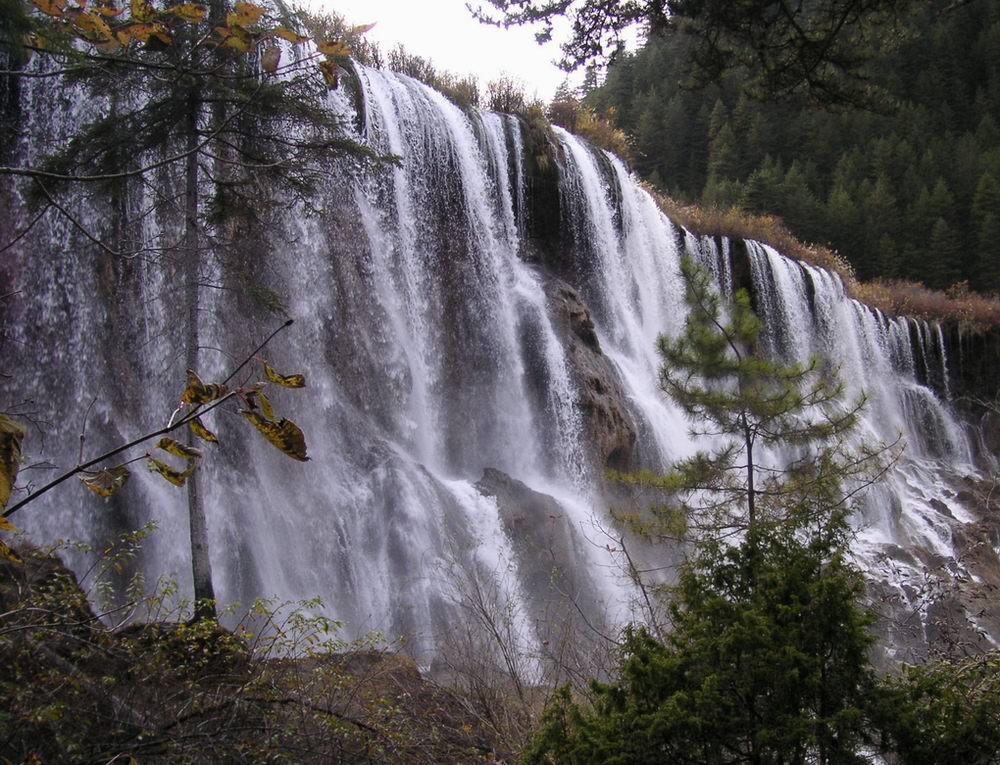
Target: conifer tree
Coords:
[(763, 187), (986, 200), (754, 406), (943, 256)]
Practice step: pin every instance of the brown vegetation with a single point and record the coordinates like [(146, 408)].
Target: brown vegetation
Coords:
[(600, 130), (958, 303), (739, 224)]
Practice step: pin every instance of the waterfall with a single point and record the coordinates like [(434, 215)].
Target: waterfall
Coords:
[(433, 350)]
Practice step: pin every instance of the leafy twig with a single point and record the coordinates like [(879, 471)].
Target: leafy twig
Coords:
[(196, 412)]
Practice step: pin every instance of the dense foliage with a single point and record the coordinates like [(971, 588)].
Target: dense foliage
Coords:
[(767, 663), (911, 191)]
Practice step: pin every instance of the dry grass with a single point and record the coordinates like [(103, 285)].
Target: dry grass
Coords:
[(896, 298), (959, 303), (739, 224)]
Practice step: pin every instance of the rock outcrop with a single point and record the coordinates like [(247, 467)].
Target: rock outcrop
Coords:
[(607, 415), (552, 559)]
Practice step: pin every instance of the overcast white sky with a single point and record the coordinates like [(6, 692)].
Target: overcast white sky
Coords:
[(445, 32)]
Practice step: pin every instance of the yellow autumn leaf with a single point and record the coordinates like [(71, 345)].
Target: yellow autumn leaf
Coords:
[(334, 48), (6, 525), (291, 36), (140, 32), (9, 554), (109, 11), (290, 381), (50, 7), (11, 435), (284, 435), (244, 15), (265, 404), (176, 477), (329, 70), (89, 22), (124, 35), (160, 32), (198, 392), (106, 482), (176, 448), (271, 59), (361, 29), (237, 44), (199, 429), (142, 11), (189, 12), (109, 47)]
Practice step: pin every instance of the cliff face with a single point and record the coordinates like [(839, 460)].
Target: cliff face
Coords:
[(490, 304)]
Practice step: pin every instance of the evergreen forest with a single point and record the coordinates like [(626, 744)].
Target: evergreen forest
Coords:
[(907, 187)]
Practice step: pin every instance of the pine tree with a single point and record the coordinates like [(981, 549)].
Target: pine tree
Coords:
[(943, 256), (719, 119), (880, 215), (986, 200), (889, 263), (763, 188), (799, 205), (591, 80), (722, 189), (843, 220)]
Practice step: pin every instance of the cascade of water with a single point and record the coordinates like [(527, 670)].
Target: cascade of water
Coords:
[(500, 171), (943, 353), (877, 356), (517, 140), (727, 267), (433, 351)]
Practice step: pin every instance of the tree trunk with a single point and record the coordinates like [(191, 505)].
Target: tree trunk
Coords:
[(201, 565), (748, 439)]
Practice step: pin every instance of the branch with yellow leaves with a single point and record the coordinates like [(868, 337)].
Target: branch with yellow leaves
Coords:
[(263, 423)]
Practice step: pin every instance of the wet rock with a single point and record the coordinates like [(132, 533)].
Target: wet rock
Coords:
[(607, 415), (552, 559), (989, 426), (941, 507)]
